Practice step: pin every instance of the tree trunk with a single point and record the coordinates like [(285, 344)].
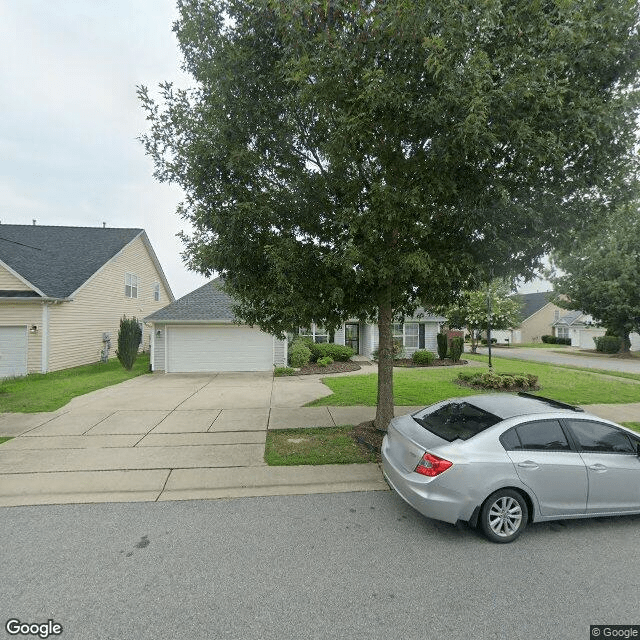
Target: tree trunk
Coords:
[(625, 342), (384, 409), (474, 341)]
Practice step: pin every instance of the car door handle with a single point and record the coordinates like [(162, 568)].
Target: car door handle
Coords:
[(528, 464), (597, 467)]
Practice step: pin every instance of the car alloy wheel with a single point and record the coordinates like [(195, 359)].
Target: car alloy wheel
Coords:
[(504, 516)]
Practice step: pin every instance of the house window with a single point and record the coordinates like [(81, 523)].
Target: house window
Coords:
[(556, 315), (130, 285), (411, 335), (562, 332), (156, 292), (398, 334), (315, 332)]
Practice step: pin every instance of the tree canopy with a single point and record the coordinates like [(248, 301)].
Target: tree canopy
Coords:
[(601, 274), (357, 159)]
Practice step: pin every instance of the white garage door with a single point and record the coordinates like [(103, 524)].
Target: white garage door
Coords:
[(13, 351), (218, 348)]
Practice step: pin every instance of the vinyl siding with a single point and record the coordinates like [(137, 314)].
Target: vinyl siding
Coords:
[(8, 282), (279, 353), (76, 327), (539, 323), (338, 337), (158, 347), (16, 314)]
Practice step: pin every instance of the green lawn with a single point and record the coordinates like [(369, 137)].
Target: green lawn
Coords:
[(3, 440), (428, 385), (50, 391), (330, 445), (632, 425), (534, 345)]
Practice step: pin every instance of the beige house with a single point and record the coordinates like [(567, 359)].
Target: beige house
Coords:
[(63, 291), (538, 317)]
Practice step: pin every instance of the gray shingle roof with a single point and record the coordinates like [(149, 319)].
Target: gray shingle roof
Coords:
[(208, 303), (533, 302), (58, 260)]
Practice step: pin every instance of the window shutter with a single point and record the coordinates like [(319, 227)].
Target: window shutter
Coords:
[(421, 336)]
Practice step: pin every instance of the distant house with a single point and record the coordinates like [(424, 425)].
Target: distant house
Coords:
[(538, 316), (63, 291), (200, 333), (579, 328)]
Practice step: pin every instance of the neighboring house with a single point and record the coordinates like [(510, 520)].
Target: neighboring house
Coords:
[(538, 316), (417, 332), (63, 291), (579, 328), (200, 333)]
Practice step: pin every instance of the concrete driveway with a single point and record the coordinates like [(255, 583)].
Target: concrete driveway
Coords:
[(163, 437)]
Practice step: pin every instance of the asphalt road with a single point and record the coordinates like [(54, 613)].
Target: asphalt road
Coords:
[(357, 565), (631, 365)]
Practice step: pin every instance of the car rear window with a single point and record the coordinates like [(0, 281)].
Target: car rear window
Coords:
[(457, 420)]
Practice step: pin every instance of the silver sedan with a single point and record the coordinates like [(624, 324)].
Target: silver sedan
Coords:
[(501, 461)]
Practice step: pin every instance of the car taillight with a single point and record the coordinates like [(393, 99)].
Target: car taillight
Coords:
[(431, 465)]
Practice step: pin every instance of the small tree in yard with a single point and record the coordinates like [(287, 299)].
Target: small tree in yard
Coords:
[(601, 274), (472, 311), (443, 345), (129, 338), (345, 159)]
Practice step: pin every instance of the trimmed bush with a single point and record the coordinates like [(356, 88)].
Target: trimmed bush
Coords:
[(608, 344), (506, 381), (323, 362), (547, 339), (336, 352), (443, 345), (456, 347), (278, 372), (299, 355), (129, 339), (423, 357), (484, 340)]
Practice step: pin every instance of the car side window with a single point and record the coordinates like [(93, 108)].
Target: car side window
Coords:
[(598, 437), (543, 435), (510, 440)]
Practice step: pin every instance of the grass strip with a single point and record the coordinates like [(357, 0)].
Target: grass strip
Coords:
[(321, 445), (632, 425), (38, 392), (3, 440), (424, 386)]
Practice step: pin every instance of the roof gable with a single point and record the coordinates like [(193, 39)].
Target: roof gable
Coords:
[(59, 260), (533, 302)]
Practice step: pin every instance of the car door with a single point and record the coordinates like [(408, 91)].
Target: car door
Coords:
[(545, 461), (613, 467)]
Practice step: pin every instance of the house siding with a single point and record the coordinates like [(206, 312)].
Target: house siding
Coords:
[(8, 282), (16, 314), (338, 337), (279, 353), (77, 327), (159, 341), (539, 323)]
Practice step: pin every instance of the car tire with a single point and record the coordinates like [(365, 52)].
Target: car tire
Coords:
[(504, 516)]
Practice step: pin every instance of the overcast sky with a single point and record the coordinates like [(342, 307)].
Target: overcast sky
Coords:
[(70, 119)]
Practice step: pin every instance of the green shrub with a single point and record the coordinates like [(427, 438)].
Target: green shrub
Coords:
[(129, 339), (299, 355), (547, 339), (507, 381), (456, 347), (423, 357), (443, 345), (278, 372), (563, 340), (484, 340), (336, 352), (608, 344), (323, 362)]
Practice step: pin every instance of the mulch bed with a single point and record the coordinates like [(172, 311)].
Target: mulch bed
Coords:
[(336, 367), (368, 438), (408, 362)]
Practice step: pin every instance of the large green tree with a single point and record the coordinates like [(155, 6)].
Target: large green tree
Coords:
[(476, 309), (600, 274), (356, 159)]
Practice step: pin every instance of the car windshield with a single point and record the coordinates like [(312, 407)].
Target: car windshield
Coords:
[(457, 420)]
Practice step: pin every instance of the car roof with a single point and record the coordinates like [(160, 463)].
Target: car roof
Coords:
[(507, 405)]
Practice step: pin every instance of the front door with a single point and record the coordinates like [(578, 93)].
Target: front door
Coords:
[(352, 336)]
